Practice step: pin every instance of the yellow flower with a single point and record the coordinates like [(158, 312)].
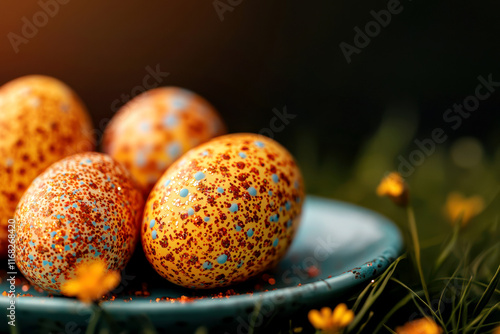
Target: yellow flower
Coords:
[(92, 281), (420, 326), (394, 187), (331, 322), (497, 330), (459, 208)]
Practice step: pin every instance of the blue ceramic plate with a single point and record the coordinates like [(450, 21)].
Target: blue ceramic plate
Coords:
[(338, 247)]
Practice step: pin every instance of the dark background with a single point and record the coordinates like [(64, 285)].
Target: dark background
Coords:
[(268, 54)]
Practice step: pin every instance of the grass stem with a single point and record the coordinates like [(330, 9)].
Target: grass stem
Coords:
[(416, 249)]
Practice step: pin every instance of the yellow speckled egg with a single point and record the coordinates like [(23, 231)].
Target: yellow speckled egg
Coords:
[(152, 130), (82, 208), (227, 210), (41, 121)]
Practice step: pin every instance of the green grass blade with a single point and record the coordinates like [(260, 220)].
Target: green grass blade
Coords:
[(465, 310), (255, 313), (480, 258), (362, 327), (390, 330), (416, 248), (452, 278), (375, 293), (91, 328), (485, 298), (481, 319), (418, 306), (481, 284), (361, 296), (389, 314), (448, 248), (438, 318), (13, 330), (458, 308)]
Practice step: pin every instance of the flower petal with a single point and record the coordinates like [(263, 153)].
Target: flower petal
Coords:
[(338, 313), (346, 319), (71, 288), (316, 319)]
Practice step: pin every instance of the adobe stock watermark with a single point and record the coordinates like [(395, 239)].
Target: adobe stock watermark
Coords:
[(324, 249), (453, 117), (223, 6), (278, 122), (125, 280), (30, 27), (372, 29), (153, 78), (12, 272)]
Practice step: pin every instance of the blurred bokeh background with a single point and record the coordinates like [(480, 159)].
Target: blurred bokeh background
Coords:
[(348, 122), (351, 122)]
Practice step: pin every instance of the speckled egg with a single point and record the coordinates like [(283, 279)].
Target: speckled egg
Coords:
[(226, 211), (41, 121), (152, 130), (81, 208)]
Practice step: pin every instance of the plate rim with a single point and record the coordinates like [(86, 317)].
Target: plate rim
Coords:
[(344, 281)]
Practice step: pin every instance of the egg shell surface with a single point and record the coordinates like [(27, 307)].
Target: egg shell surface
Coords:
[(155, 128), (41, 121), (82, 208), (224, 212)]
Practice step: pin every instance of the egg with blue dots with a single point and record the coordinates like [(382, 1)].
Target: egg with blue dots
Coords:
[(155, 128), (227, 210), (42, 120), (81, 209)]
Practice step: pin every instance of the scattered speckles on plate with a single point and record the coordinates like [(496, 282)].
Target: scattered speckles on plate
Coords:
[(80, 209), (221, 216)]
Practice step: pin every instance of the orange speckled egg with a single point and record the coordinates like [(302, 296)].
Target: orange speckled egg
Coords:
[(41, 121), (81, 208), (226, 211), (151, 131)]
